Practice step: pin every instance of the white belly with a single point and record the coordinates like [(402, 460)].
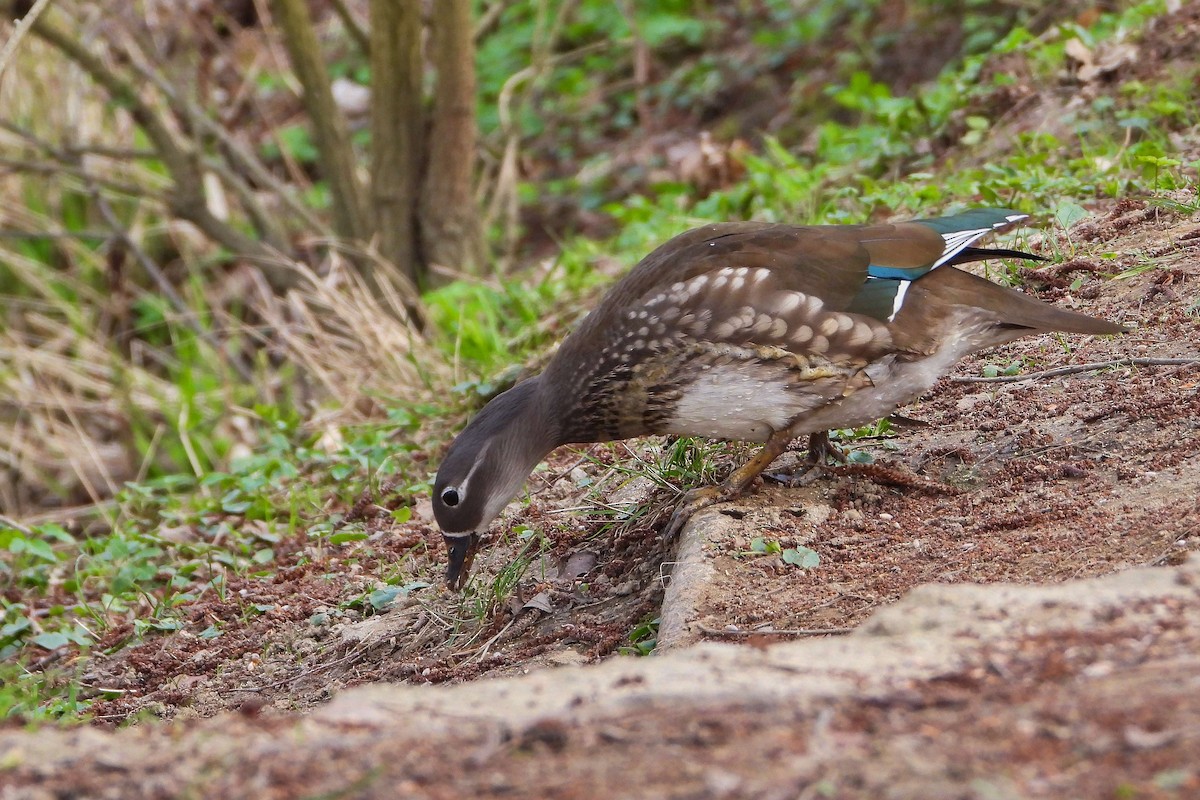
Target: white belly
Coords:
[(749, 401), (744, 402)]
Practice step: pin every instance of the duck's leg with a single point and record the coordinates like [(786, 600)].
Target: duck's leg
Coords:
[(821, 453), (734, 485)]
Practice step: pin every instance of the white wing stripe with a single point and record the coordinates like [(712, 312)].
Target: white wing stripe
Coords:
[(898, 301)]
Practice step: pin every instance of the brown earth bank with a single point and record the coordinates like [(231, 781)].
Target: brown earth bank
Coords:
[(1085, 689)]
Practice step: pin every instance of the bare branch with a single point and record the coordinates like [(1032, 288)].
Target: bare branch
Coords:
[(59, 167), (504, 201), (241, 159), (34, 235), (66, 159), (160, 280), (187, 195), (489, 18), (353, 27), (22, 27), (9, 522), (1054, 373), (329, 125), (103, 151)]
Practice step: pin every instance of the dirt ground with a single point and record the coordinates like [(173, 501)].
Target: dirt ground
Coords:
[(1027, 481), (1019, 479), (1087, 689)]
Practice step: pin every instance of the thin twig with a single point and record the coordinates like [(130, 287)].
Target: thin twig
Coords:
[(553, 479), (16, 526), (1054, 373), (641, 69), (357, 32), (5, 233), (22, 27), (354, 653), (240, 157), (772, 632), (503, 203), (489, 18), (59, 167), (160, 279), (104, 151), (483, 650), (71, 515)]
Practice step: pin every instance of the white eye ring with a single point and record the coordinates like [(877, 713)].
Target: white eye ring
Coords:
[(451, 496)]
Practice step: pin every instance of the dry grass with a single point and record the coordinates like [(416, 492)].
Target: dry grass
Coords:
[(82, 410), (104, 378)]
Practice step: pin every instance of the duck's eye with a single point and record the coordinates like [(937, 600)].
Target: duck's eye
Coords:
[(450, 496)]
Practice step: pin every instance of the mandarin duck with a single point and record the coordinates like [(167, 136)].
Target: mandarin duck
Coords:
[(748, 331)]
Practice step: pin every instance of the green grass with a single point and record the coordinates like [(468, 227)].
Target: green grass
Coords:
[(642, 639), (179, 538), (40, 695)]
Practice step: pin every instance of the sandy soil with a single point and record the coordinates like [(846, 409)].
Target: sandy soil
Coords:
[(1088, 689)]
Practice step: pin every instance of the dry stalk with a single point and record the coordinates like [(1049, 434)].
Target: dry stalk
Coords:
[(20, 30), (353, 343)]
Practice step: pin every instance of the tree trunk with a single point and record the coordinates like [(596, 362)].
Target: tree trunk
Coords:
[(396, 128), (449, 220), (334, 153)]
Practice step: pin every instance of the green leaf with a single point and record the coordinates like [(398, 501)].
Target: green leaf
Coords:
[(342, 537), (53, 530), (1068, 213), (402, 515), (1160, 161), (166, 624), (860, 457), (51, 641), (34, 547), (382, 598), (646, 646), (995, 370), (81, 637), (11, 630), (801, 557)]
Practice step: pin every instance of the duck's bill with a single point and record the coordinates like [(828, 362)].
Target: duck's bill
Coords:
[(460, 552)]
